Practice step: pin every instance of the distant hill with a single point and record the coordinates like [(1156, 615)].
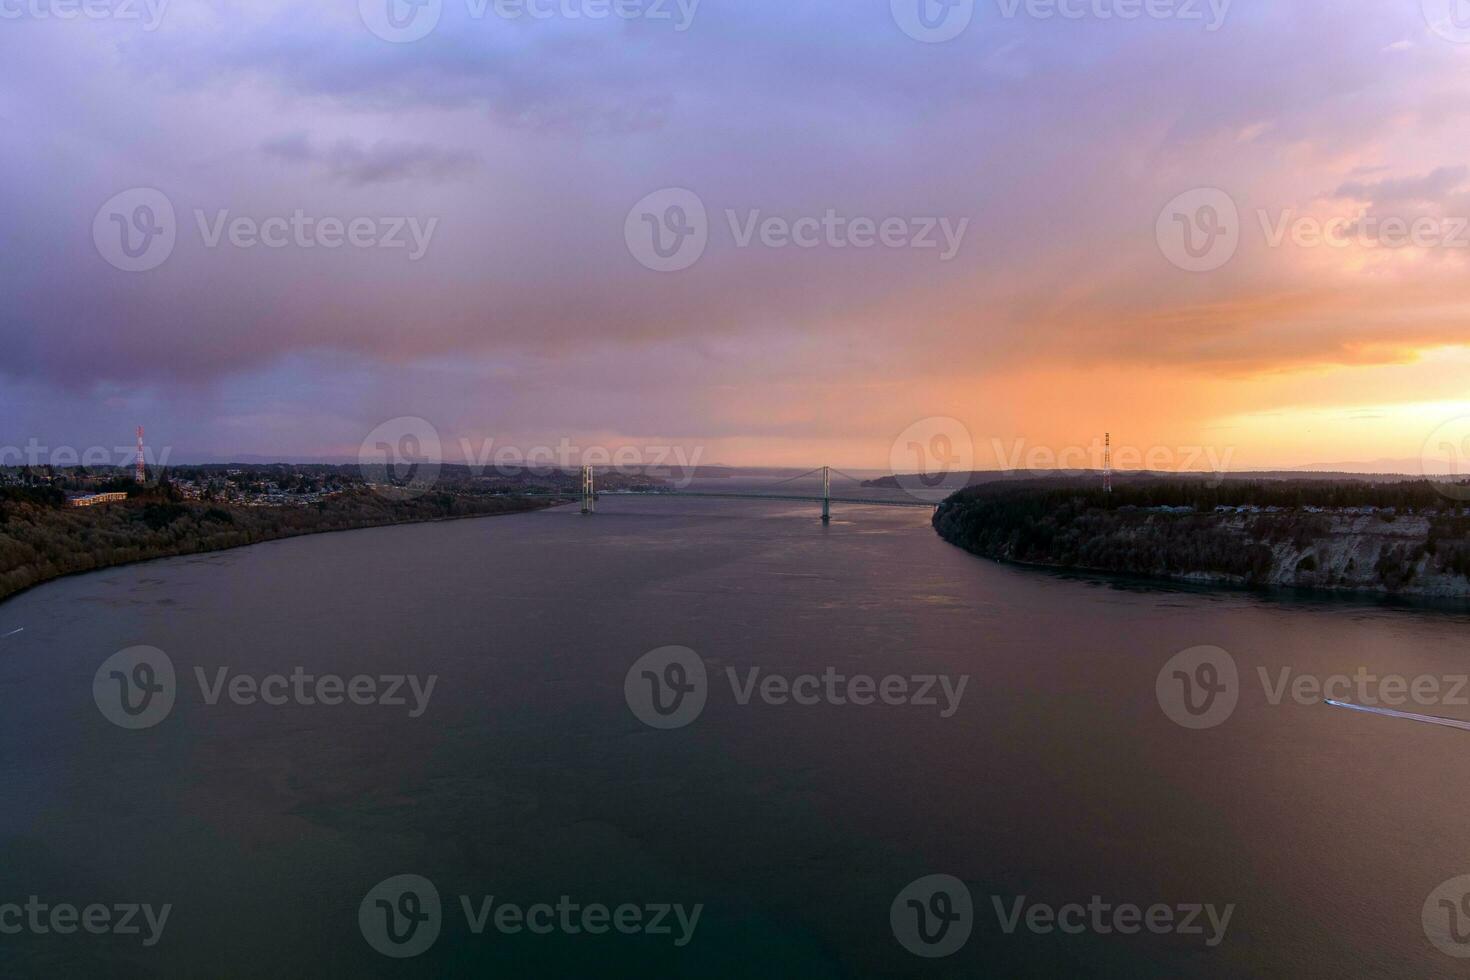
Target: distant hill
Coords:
[(1409, 537), (1095, 477)]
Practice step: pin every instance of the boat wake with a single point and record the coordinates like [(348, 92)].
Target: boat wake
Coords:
[(1409, 715)]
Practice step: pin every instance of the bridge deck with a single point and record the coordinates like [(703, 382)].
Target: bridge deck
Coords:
[(665, 494)]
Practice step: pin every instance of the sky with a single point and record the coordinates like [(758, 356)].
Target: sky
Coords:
[(768, 232)]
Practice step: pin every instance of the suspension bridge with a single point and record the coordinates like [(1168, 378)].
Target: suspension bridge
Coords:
[(825, 498)]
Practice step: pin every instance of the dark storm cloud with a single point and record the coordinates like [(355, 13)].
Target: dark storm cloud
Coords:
[(380, 162)]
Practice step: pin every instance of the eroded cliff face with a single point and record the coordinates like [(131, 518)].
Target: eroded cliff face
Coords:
[(1410, 555), (1363, 552)]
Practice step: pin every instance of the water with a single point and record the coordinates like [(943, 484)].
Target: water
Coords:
[(1058, 778)]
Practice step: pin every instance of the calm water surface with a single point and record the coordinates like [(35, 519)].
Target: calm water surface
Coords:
[(528, 778)]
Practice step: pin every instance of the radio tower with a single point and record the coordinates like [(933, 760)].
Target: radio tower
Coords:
[(1108, 462), (142, 474)]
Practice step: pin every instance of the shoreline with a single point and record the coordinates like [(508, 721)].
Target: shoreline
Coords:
[(530, 505), (1204, 583), (1398, 543)]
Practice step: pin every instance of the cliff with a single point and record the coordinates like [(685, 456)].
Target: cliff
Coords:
[(1419, 548)]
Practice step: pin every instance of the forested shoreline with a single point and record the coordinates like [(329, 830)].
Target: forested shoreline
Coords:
[(1406, 537), (42, 539)]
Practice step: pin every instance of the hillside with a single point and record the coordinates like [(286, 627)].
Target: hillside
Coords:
[(1400, 538)]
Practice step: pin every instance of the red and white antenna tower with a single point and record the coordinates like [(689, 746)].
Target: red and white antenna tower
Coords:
[(1108, 462), (142, 474)]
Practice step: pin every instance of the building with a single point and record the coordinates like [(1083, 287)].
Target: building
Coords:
[(93, 499)]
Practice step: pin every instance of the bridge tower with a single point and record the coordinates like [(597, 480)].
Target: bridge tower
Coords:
[(589, 491), (826, 495), (1108, 462)]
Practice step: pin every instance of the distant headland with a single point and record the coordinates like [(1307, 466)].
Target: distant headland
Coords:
[(1402, 537)]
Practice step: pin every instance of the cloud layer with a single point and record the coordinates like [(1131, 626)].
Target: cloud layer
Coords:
[(528, 141)]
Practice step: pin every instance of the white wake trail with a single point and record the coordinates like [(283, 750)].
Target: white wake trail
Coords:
[(1426, 719)]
